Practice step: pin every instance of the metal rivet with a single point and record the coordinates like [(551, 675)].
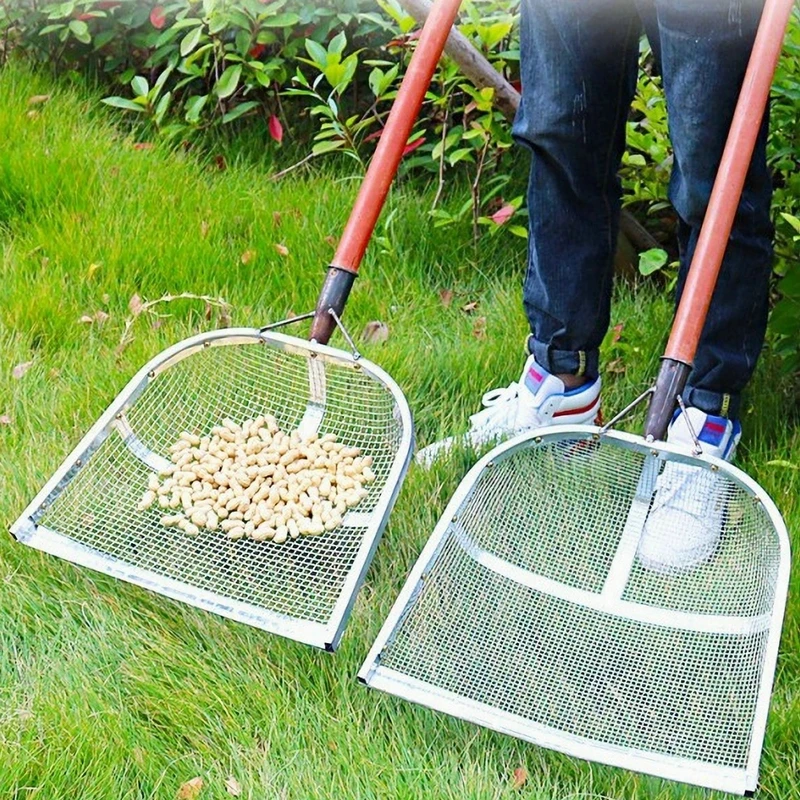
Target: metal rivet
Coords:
[(151, 374), (654, 452), (714, 468), (538, 440), (206, 344), (78, 463)]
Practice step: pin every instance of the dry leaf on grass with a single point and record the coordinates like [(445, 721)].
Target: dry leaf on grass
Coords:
[(21, 369), (86, 320), (135, 305), (38, 99), (282, 249), (191, 789), (5, 419), (375, 332), (446, 296), (233, 786), (479, 329), (519, 777), (204, 226), (470, 307), (247, 256), (617, 335), (616, 367)]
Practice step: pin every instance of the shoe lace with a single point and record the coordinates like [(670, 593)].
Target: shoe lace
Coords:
[(499, 406)]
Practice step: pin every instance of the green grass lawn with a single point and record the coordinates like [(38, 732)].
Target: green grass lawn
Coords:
[(108, 691)]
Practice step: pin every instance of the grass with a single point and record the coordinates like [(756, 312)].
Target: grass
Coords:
[(110, 692)]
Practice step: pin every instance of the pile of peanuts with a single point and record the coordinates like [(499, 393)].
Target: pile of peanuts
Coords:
[(252, 480)]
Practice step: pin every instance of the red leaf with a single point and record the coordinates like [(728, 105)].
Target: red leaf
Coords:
[(143, 146), (617, 335), (373, 135), (410, 148), (503, 215), (517, 85), (275, 129), (221, 163), (282, 249), (520, 776), (157, 17), (85, 17), (446, 296), (256, 50), (5, 419)]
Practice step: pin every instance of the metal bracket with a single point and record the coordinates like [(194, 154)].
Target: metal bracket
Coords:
[(625, 411)]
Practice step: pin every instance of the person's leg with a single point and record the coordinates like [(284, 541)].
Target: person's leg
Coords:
[(578, 67), (704, 49)]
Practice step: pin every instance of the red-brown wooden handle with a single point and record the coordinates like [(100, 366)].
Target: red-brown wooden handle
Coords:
[(383, 167), (715, 231)]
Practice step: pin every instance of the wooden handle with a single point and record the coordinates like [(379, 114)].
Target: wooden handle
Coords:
[(386, 158), (727, 190)]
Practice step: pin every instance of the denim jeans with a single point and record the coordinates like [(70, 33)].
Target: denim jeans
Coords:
[(579, 70)]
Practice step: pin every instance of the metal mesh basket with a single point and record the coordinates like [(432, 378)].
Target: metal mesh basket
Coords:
[(302, 589), (529, 612)]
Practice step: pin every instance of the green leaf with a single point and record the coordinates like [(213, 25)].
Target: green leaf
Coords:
[(193, 107), (338, 43), (280, 21), (80, 30), (237, 112), (161, 108), (122, 102), (140, 86), (792, 220), (228, 81), (319, 55), (652, 260), (326, 147), (191, 40)]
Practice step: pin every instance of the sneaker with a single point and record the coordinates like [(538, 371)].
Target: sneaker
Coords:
[(684, 525), (536, 400)]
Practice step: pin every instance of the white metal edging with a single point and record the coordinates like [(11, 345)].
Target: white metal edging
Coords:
[(699, 773)]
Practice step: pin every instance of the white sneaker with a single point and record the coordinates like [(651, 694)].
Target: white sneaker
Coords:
[(536, 400), (684, 525)]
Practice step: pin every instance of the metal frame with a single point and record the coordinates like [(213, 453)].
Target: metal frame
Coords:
[(373, 674), (27, 530)]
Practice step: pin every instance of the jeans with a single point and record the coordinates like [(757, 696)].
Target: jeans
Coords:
[(579, 70)]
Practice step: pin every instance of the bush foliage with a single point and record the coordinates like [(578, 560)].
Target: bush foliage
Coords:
[(327, 73)]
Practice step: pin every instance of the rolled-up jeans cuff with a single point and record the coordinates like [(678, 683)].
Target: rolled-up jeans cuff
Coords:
[(718, 403), (565, 362)]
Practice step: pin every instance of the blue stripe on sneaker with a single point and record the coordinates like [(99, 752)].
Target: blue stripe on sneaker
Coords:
[(713, 431)]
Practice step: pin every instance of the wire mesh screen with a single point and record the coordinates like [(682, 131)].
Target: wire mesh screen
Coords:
[(303, 578), (515, 611)]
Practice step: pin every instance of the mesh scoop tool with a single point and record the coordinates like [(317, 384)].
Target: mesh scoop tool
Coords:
[(304, 588), (528, 610)]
